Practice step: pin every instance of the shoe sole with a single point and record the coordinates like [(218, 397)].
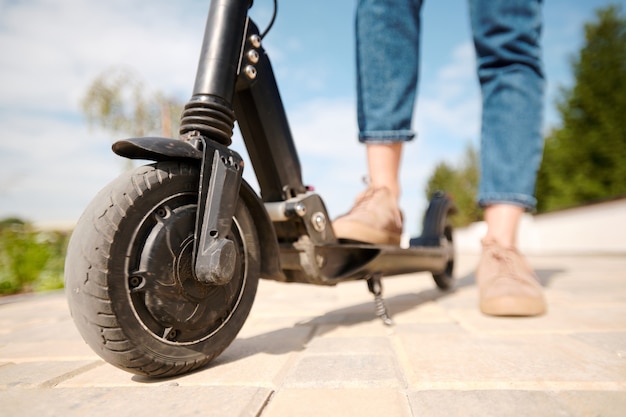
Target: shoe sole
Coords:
[(513, 307)]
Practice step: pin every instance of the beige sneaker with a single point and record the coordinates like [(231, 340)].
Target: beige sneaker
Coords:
[(507, 284), (374, 218)]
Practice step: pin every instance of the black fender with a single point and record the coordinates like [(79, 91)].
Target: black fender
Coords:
[(167, 149), (435, 221), (156, 149)]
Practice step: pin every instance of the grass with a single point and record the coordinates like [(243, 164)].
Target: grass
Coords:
[(30, 260)]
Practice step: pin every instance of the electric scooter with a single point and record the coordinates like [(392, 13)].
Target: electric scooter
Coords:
[(163, 265)]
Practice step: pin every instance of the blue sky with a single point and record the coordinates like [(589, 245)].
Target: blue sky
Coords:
[(52, 164)]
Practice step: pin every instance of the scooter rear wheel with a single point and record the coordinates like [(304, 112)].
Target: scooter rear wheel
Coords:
[(445, 279), (129, 279)]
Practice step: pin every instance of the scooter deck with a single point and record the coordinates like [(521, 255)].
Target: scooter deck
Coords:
[(348, 261)]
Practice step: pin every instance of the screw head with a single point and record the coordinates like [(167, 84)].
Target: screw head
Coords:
[(255, 40), (250, 71), (319, 221), (253, 56), (300, 209)]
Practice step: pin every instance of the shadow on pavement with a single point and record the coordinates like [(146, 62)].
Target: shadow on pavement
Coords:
[(290, 339)]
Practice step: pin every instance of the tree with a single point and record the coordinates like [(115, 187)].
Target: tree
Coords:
[(585, 158), (461, 184), (118, 101)]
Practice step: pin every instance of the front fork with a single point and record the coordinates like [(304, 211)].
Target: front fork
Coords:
[(234, 73), (207, 123), (220, 179)]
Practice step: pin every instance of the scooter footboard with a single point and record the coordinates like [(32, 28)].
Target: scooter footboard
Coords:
[(331, 263), (340, 260)]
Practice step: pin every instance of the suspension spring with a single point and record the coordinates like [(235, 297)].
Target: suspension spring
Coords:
[(211, 116)]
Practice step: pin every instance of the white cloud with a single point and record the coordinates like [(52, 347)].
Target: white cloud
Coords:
[(51, 165), (52, 50)]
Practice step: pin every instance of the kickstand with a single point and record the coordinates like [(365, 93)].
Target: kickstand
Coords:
[(376, 287)]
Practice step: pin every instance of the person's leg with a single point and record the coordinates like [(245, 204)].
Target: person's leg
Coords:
[(383, 162), (506, 37), (387, 46), (387, 60), (502, 223)]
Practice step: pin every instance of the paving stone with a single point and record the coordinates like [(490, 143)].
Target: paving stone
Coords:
[(456, 359), (255, 361), (465, 297), (560, 319), (20, 310), (338, 403), (259, 324), (275, 342), (419, 329), (609, 290), (426, 312), (345, 316), (64, 350), (246, 365), (162, 400), (372, 327), (344, 371), (33, 374), (503, 403), (106, 375), (612, 343), (40, 331), (350, 346), (285, 299), (594, 403)]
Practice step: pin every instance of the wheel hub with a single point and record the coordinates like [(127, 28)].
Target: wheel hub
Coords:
[(168, 299)]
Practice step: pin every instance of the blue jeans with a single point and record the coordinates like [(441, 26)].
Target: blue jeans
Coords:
[(506, 38)]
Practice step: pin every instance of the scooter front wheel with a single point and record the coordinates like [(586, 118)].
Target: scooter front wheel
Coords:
[(129, 275)]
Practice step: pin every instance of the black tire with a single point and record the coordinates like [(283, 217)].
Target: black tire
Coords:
[(129, 280), (445, 279)]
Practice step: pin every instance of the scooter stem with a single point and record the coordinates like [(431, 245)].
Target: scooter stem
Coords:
[(221, 49), (209, 111)]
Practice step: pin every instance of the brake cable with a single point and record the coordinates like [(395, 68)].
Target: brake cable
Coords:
[(269, 26)]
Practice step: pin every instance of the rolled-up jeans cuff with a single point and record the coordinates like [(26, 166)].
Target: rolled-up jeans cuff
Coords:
[(386, 136), (527, 202)]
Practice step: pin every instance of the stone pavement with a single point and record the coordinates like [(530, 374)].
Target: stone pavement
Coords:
[(317, 351)]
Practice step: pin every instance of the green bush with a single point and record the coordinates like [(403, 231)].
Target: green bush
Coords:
[(30, 260)]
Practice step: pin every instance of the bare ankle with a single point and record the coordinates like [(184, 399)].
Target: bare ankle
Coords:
[(502, 224)]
